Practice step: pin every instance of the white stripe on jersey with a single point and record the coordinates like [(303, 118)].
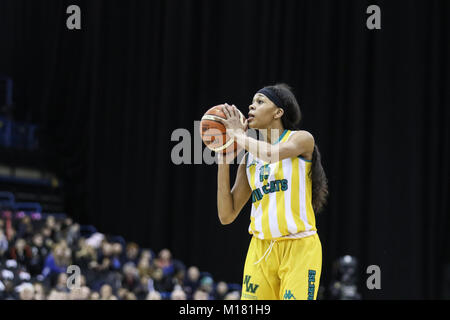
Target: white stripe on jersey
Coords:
[(273, 218), (258, 220), (303, 216), (292, 227)]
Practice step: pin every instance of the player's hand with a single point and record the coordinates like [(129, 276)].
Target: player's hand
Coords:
[(233, 122)]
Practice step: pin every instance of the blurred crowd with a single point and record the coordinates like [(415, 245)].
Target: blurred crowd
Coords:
[(35, 255)]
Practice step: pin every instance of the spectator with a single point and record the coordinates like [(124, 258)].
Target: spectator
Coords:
[(50, 222), (3, 244), (82, 280), (47, 234), (206, 284), (132, 253), (22, 274), (104, 269), (24, 228), (67, 253), (164, 261), (67, 223), (142, 290), (7, 289), (200, 295), (117, 255), (130, 296), (75, 294), (85, 257), (234, 295), (106, 293), (178, 294), (10, 232), (95, 240), (21, 253), (85, 293), (55, 264), (26, 291), (161, 283), (192, 280), (154, 295), (122, 293), (53, 295), (172, 268), (39, 252), (94, 296), (39, 291), (130, 280), (72, 234), (61, 284), (57, 295), (147, 254), (221, 291), (144, 268), (104, 257), (55, 229), (180, 272)]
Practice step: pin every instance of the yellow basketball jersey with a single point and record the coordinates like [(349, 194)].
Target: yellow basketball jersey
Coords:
[(281, 196)]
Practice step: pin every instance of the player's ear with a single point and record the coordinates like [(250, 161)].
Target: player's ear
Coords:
[(279, 113)]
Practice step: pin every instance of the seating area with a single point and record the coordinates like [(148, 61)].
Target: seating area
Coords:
[(18, 135), (39, 251)]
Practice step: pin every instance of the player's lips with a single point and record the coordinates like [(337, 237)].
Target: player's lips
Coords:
[(250, 117)]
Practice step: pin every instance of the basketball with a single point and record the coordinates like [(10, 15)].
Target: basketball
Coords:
[(213, 132)]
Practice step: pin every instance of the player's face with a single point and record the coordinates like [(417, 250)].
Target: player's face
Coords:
[(261, 112)]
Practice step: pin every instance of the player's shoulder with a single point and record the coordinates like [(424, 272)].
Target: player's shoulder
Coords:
[(304, 141), (301, 134)]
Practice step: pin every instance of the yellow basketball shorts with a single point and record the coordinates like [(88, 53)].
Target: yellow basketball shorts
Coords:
[(287, 269)]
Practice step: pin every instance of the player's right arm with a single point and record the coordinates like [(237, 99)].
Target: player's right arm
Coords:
[(231, 201)]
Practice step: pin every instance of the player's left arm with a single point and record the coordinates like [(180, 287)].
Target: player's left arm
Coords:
[(300, 143)]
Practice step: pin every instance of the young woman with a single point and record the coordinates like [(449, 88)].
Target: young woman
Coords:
[(284, 177)]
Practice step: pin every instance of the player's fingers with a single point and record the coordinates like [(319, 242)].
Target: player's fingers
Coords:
[(230, 110), (235, 111), (245, 125), (226, 111)]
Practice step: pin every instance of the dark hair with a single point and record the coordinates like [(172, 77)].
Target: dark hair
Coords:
[(291, 121)]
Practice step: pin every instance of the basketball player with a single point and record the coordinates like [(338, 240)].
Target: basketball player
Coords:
[(284, 259)]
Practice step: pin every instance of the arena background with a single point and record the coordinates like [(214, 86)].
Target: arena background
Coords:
[(108, 97)]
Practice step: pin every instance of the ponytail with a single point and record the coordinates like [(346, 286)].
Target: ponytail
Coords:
[(319, 182)]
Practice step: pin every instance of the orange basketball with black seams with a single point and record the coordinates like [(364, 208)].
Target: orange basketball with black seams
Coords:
[(213, 132)]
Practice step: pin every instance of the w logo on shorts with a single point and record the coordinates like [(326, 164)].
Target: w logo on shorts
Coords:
[(288, 295), (250, 287)]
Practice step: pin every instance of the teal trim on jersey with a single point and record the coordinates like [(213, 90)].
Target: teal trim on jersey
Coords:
[(304, 159), (282, 136), (254, 163)]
